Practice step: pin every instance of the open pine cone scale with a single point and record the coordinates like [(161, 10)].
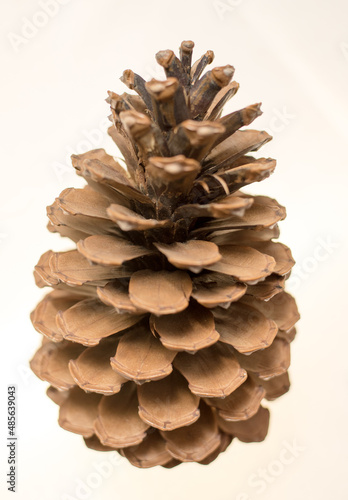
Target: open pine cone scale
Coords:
[(168, 324)]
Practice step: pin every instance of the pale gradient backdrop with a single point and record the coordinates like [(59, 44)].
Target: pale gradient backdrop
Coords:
[(293, 56)]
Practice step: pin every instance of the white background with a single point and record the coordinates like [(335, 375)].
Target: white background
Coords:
[(293, 56)]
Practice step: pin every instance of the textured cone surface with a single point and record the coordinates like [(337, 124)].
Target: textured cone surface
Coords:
[(167, 323)]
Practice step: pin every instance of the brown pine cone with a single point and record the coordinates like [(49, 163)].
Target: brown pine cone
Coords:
[(168, 324)]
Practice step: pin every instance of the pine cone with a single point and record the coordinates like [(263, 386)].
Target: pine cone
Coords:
[(168, 324)]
